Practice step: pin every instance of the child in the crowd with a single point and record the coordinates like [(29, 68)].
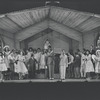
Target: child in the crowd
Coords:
[(3, 66), (89, 65), (63, 64), (32, 67), (20, 66)]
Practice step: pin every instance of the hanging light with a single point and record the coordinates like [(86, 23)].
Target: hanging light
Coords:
[(47, 3), (1, 16)]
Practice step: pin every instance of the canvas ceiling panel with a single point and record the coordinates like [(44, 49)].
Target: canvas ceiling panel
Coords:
[(25, 33), (76, 20), (22, 19), (8, 25), (90, 24), (65, 30)]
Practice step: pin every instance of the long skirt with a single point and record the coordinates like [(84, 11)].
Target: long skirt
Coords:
[(89, 67), (3, 67), (97, 67), (21, 68), (62, 72)]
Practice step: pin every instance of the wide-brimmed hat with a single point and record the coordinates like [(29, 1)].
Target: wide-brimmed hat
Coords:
[(97, 51), (6, 47)]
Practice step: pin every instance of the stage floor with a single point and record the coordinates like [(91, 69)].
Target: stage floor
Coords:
[(47, 80)]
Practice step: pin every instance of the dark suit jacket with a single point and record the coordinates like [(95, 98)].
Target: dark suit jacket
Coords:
[(32, 64)]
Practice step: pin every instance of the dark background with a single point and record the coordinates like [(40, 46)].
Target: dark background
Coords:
[(50, 91), (81, 5)]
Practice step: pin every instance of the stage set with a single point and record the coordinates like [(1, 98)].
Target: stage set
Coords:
[(49, 44)]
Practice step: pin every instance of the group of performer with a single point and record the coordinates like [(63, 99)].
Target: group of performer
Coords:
[(82, 64)]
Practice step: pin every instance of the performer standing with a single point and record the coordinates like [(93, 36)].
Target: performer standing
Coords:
[(63, 64), (11, 59), (20, 66), (42, 61), (2, 66), (83, 65), (98, 43), (6, 53), (47, 45), (89, 65), (50, 63), (77, 65), (97, 64), (32, 67), (70, 67)]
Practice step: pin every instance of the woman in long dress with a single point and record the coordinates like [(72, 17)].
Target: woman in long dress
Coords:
[(2, 66), (89, 65), (83, 65), (97, 63), (42, 61), (63, 64), (20, 66), (6, 54)]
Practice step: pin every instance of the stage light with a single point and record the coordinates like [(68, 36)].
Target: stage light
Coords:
[(1, 16), (47, 3)]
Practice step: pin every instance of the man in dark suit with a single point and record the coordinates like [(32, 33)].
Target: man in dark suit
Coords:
[(50, 63), (32, 67), (92, 51)]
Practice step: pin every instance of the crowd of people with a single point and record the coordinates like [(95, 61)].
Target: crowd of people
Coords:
[(81, 64)]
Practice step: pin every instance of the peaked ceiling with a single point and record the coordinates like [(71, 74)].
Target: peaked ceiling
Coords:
[(82, 22)]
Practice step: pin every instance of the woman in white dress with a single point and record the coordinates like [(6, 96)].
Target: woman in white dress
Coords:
[(63, 64), (20, 66), (43, 61), (97, 63), (47, 44), (89, 65), (83, 65), (2, 66), (6, 54)]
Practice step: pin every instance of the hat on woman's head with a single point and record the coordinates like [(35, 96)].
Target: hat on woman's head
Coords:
[(6, 46), (97, 51)]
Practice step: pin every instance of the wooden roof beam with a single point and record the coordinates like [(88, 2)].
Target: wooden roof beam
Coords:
[(71, 33), (32, 30)]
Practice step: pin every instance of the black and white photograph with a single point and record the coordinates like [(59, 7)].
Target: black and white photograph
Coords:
[(49, 42)]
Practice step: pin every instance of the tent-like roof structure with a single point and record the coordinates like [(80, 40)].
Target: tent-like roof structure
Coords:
[(70, 22)]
